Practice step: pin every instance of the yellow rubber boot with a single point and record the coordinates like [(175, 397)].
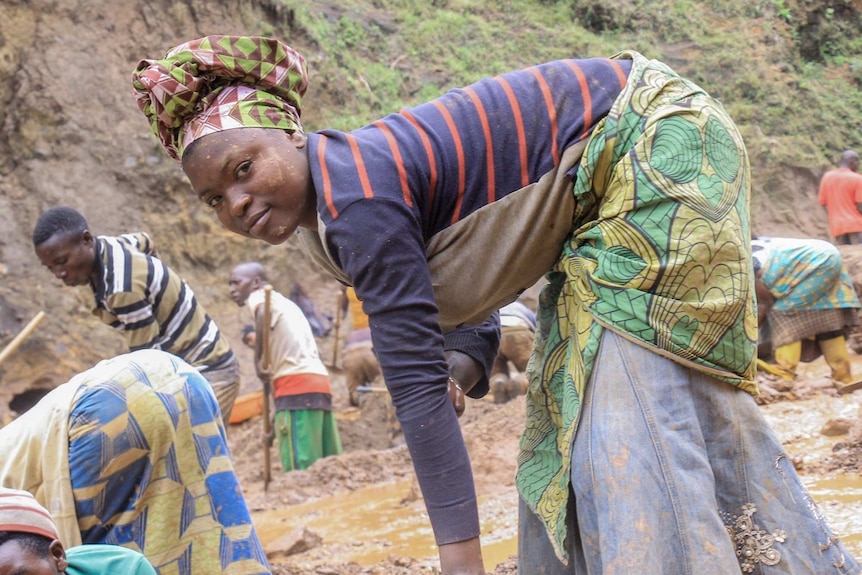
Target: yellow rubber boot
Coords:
[(836, 355), (788, 356)]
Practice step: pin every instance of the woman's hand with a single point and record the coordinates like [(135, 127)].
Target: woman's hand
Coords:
[(464, 369), (462, 558), (464, 373)]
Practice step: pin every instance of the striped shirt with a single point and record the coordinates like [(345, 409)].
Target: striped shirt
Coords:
[(153, 308), (386, 189)]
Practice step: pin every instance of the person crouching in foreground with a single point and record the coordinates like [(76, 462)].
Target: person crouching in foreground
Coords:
[(132, 452), (30, 545)]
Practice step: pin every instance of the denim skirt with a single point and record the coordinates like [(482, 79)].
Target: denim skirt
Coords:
[(676, 473)]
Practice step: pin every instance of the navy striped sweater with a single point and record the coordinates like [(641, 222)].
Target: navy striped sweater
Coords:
[(384, 191)]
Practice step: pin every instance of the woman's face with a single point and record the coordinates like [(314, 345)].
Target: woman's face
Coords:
[(256, 179)]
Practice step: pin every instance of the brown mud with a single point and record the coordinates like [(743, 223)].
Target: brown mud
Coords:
[(360, 513)]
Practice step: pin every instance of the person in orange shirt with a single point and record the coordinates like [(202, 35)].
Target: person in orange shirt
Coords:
[(841, 195)]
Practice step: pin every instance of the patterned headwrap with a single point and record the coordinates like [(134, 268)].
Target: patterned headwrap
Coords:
[(217, 83), (21, 513)]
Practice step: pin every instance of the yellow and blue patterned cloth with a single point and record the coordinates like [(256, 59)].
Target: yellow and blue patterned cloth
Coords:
[(804, 274), (814, 295), (151, 471), (133, 452)]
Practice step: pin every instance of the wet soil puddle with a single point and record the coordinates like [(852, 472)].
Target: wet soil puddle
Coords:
[(840, 500), (371, 524), (798, 424)]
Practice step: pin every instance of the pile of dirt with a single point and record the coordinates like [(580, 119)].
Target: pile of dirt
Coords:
[(774, 388), (847, 452), (491, 432)]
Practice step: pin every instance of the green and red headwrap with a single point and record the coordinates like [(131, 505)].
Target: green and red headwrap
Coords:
[(218, 83)]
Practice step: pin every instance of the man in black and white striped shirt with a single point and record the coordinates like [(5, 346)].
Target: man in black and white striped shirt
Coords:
[(138, 295)]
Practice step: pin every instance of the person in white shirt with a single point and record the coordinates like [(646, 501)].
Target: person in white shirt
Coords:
[(304, 423)]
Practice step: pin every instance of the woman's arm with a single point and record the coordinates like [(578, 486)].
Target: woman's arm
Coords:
[(470, 352), (765, 299), (379, 245)]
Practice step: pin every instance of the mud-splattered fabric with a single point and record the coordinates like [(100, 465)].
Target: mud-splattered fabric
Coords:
[(218, 83), (690, 480), (659, 254), (151, 470)]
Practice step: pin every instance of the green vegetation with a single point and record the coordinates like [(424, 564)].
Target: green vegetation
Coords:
[(789, 71)]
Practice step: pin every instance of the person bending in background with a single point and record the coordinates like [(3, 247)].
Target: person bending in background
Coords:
[(304, 422), (806, 302), (358, 358), (138, 295), (518, 329), (841, 194), (629, 186), (132, 452), (30, 545)]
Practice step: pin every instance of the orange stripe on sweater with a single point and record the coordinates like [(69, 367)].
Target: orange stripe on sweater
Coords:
[(360, 167), (489, 145), (399, 161), (432, 160), (327, 182), (519, 127), (585, 96), (459, 151), (552, 112), (620, 74)]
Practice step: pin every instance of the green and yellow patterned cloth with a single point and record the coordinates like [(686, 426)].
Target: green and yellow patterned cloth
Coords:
[(660, 254)]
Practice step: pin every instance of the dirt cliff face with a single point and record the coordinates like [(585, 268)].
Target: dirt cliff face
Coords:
[(72, 135)]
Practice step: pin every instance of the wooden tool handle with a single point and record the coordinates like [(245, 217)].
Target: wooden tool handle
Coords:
[(266, 367), (22, 335)]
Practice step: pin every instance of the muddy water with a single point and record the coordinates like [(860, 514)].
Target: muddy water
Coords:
[(840, 500), (370, 524), (798, 424)]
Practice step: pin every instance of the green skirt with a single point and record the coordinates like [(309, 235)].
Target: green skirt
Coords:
[(304, 436)]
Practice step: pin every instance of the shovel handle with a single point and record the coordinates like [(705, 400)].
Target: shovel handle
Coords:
[(266, 366), (22, 335)]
